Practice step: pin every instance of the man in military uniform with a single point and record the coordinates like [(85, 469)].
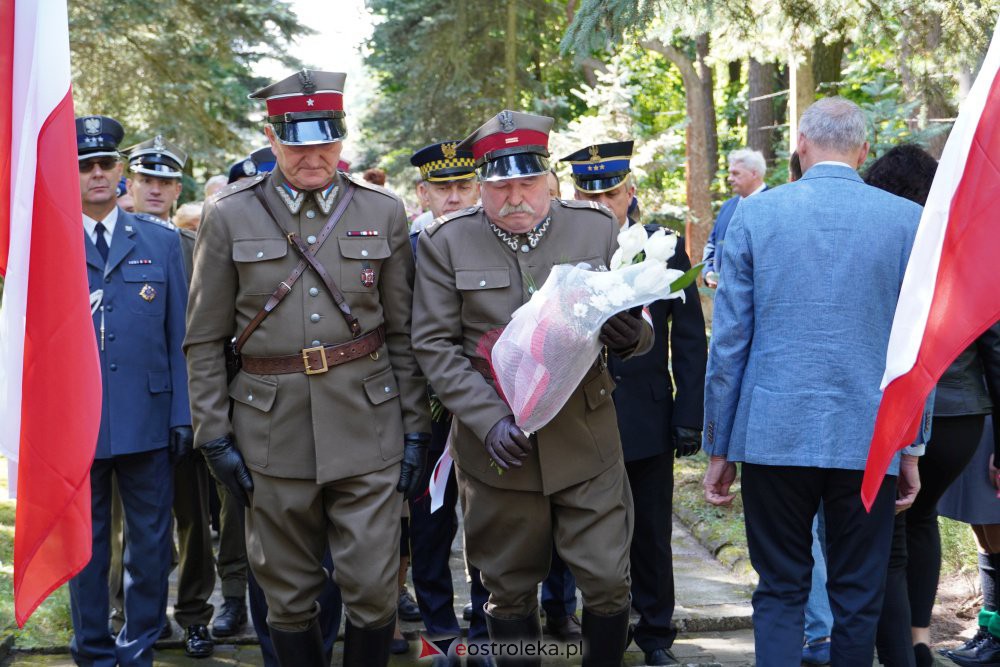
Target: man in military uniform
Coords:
[(568, 479), (330, 416), (138, 297), (157, 167), (655, 423), (447, 184)]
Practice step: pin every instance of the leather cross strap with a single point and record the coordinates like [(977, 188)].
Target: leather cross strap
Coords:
[(319, 359), (331, 287), (285, 286)]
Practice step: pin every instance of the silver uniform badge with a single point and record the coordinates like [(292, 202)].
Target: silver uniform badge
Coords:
[(158, 143), (506, 120), (249, 167), (92, 126)]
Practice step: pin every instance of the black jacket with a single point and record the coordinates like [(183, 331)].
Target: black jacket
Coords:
[(971, 384)]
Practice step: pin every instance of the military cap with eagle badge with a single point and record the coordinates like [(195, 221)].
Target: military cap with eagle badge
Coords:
[(306, 108), (601, 167), (444, 162), (157, 157), (512, 144), (98, 136)]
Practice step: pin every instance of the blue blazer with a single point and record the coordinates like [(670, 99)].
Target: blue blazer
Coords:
[(809, 284), (142, 366)]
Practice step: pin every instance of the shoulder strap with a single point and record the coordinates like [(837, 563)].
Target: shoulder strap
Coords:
[(285, 286)]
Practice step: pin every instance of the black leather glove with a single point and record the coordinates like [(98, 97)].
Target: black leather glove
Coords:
[(621, 332), (414, 462), (687, 441), (507, 444), (227, 466), (181, 443)]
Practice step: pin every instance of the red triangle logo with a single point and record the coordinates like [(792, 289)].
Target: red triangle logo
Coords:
[(428, 649)]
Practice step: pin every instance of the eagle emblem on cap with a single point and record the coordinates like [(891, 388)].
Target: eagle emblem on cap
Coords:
[(158, 142), (595, 154), (92, 126), (306, 80), (249, 167), (449, 150), (506, 120)]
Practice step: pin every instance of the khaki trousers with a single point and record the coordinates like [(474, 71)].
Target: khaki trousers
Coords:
[(289, 525), (509, 535)]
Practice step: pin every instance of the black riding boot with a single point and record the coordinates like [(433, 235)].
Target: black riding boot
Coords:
[(509, 630), (302, 648), (605, 638), (367, 647)]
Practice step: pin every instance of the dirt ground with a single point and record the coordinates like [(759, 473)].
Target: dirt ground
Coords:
[(958, 603)]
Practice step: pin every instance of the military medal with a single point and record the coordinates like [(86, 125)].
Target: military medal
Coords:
[(367, 275), (147, 292)]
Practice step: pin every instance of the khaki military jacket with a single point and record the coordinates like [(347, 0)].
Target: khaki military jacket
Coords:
[(349, 420), (469, 281)]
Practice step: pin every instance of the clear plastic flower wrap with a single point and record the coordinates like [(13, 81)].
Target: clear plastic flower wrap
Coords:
[(551, 341)]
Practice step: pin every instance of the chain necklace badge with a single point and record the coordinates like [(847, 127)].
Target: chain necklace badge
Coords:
[(522, 242)]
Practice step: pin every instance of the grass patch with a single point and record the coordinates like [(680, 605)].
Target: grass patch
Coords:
[(958, 548)]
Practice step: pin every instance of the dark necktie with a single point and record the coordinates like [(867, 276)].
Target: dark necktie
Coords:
[(102, 244)]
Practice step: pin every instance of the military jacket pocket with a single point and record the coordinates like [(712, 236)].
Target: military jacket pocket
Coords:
[(159, 382), (381, 387), (361, 262), (253, 391), (145, 289), (601, 418), (485, 295), (257, 260)]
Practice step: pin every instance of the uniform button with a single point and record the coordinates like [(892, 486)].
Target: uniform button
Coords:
[(618, 378), (311, 214), (111, 336), (249, 397), (260, 253), (113, 367), (603, 392), (482, 283), (315, 343), (531, 290), (109, 308), (525, 248), (314, 317), (311, 239), (313, 291), (364, 253), (386, 389), (107, 279)]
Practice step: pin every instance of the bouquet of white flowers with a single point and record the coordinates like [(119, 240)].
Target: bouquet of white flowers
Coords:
[(551, 341)]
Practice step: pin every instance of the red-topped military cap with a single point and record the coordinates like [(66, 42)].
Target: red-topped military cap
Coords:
[(306, 108), (510, 145)]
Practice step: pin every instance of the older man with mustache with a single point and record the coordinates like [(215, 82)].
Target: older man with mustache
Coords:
[(566, 481)]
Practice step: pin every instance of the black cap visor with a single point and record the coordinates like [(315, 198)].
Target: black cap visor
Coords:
[(518, 165), (309, 131), (598, 185)]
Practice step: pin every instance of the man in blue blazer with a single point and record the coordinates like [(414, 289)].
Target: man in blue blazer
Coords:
[(655, 422), (138, 298), (746, 178), (810, 278)]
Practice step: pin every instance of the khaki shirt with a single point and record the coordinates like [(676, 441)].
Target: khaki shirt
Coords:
[(468, 283), (349, 420)]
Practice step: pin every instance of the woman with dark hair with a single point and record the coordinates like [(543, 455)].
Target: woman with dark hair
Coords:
[(962, 402)]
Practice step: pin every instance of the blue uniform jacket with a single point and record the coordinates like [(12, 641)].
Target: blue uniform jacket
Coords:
[(644, 396), (806, 298), (142, 311)]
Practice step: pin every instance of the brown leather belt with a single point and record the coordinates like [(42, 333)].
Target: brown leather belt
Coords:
[(319, 359)]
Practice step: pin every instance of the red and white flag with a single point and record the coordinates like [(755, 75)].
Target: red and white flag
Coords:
[(949, 294), (50, 382)]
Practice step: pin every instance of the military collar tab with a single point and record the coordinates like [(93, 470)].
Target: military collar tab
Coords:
[(522, 242), (294, 198)]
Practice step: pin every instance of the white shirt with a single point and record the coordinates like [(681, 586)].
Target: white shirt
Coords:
[(835, 162), (760, 188), (109, 226)]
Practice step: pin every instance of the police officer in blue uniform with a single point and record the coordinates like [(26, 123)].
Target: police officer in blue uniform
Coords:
[(138, 299), (658, 418)]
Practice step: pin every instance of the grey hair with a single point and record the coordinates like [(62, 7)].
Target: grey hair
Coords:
[(751, 159), (216, 180), (834, 123)]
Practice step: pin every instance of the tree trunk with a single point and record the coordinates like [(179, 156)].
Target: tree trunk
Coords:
[(699, 194), (510, 56), (708, 94), (760, 119), (801, 93), (827, 62)]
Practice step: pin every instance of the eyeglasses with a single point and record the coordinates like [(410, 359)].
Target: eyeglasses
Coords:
[(105, 163)]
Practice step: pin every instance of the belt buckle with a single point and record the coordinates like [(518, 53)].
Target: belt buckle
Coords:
[(322, 355)]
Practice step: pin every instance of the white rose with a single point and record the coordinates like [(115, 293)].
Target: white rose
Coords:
[(630, 242), (660, 246)]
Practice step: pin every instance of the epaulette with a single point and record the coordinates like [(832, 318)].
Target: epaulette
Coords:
[(183, 231), (238, 186), (438, 222), (152, 219), (360, 182), (586, 203)]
